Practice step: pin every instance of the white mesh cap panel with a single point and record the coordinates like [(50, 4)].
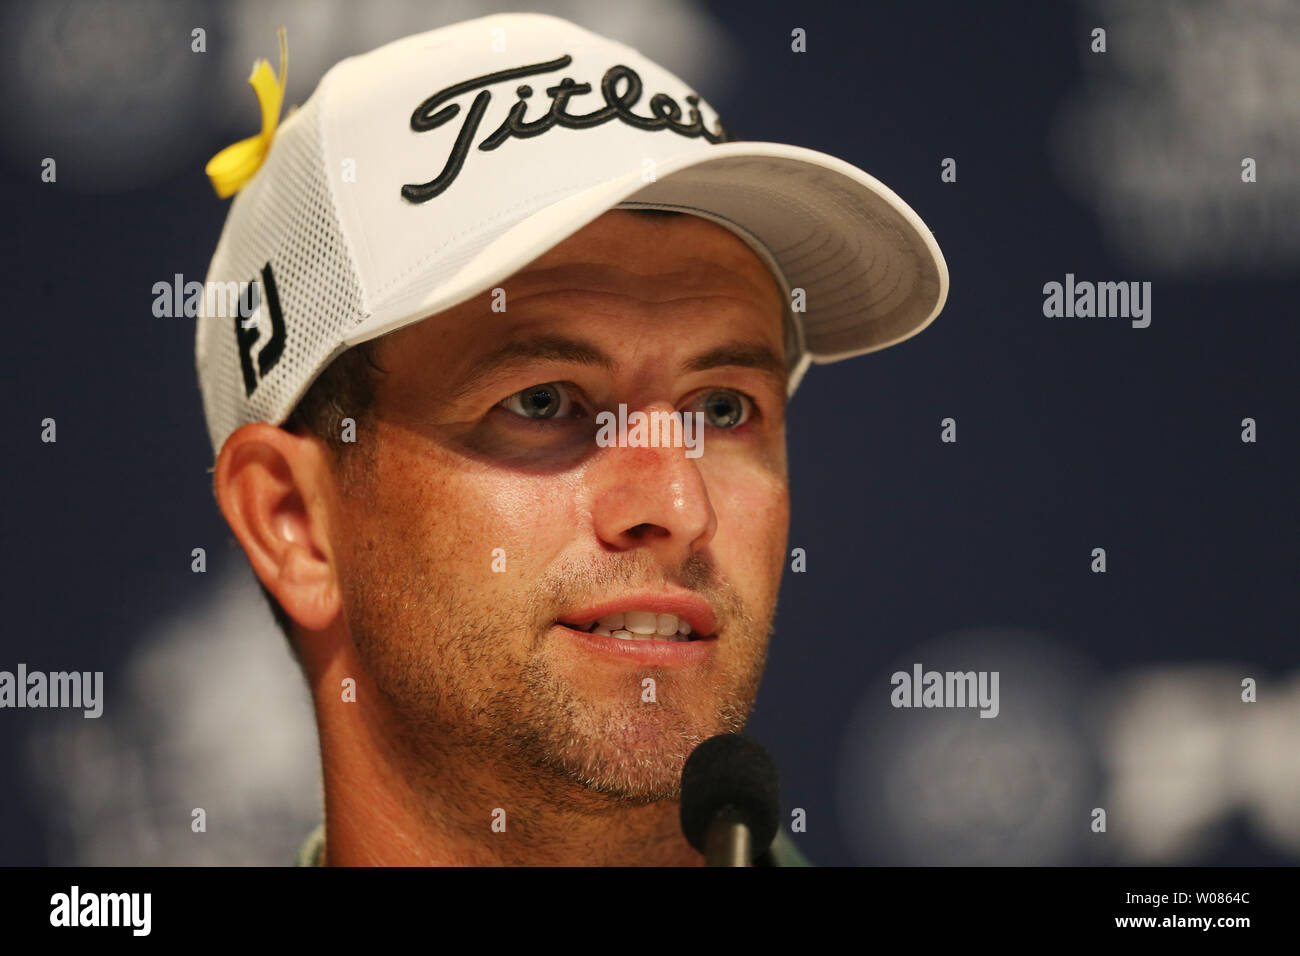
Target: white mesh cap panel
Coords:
[(284, 216)]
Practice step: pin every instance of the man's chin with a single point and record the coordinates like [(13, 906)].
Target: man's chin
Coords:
[(629, 756), (617, 736)]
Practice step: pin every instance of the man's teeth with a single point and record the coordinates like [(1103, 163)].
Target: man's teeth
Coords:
[(642, 626)]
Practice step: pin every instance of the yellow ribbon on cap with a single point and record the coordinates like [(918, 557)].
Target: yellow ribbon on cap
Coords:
[(235, 165)]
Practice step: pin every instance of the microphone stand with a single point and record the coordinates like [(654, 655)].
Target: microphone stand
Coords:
[(727, 841)]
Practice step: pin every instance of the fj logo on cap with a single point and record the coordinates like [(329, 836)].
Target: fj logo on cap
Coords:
[(249, 331), (432, 113)]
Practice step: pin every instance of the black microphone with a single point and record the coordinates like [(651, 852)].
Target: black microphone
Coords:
[(731, 800)]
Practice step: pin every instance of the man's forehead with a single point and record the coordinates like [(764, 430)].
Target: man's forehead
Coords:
[(652, 283), (652, 258), (694, 297), (615, 271)]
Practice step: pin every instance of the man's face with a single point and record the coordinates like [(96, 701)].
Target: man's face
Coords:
[(489, 517)]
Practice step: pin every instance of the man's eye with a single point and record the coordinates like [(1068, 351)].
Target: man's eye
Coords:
[(550, 400), (725, 409)]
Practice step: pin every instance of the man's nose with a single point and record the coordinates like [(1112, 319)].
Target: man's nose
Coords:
[(651, 497)]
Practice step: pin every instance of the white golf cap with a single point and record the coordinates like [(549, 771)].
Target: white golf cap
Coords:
[(428, 171)]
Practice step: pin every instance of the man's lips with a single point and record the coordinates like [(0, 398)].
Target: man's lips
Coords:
[(650, 652), (686, 607)]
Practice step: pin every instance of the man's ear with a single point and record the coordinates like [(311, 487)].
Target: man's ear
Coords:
[(275, 490)]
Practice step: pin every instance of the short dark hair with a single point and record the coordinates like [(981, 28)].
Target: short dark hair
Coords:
[(346, 389)]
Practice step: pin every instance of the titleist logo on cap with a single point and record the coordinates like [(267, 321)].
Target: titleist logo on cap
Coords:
[(432, 113)]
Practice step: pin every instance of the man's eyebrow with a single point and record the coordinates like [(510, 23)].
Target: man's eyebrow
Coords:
[(547, 348), (561, 348), (743, 355)]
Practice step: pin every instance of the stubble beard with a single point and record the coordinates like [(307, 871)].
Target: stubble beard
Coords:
[(462, 685)]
